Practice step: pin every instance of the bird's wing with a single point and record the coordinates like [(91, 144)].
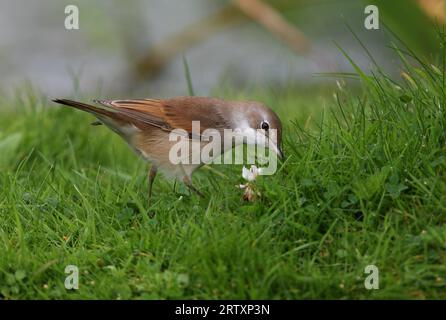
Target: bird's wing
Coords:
[(169, 114), (137, 111)]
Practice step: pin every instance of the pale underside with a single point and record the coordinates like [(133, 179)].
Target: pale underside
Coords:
[(154, 146)]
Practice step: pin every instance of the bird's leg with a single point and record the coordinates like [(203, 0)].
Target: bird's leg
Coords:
[(188, 183), (151, 177)]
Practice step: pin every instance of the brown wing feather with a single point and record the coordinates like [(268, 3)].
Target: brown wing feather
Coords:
[(181, 111), (130, 109), (173, 113)]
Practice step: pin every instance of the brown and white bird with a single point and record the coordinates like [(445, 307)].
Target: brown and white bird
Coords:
[(145, 124)]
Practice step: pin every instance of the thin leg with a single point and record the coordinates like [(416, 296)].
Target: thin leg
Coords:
[(151, 177), (188, 183)]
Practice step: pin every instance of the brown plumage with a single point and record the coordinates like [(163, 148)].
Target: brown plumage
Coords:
[(145, 124)]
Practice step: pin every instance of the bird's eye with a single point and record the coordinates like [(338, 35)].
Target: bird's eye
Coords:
[(264, 125)]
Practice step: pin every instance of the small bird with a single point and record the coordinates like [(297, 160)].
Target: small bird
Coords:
[(145, 124)]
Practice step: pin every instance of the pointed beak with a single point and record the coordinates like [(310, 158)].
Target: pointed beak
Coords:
[(272, 145), (276, 149), (280, 154)]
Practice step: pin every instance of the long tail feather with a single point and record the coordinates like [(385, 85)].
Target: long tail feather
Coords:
[(118, 114), (86, 107)]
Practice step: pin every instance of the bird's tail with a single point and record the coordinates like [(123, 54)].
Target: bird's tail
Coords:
[(114, 119), (97, 111)]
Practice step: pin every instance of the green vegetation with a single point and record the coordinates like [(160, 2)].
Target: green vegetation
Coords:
[(363, 183)]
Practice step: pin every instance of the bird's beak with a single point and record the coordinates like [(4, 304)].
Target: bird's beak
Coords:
[(271, 144), (280, 154), (276, 149)]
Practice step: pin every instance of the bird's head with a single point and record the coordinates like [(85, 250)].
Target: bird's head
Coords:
[(263, 121)]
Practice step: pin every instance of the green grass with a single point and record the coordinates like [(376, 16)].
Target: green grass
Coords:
[(363, 183)]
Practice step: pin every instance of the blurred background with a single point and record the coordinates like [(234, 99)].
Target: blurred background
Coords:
[(138, 48)]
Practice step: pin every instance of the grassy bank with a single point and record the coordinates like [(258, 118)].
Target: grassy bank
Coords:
[(363, 183)]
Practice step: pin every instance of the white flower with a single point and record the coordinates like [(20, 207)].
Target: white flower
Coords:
[(250, 193), (250, 174)]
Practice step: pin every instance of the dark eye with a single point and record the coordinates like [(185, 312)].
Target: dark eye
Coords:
[(265, 125)]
